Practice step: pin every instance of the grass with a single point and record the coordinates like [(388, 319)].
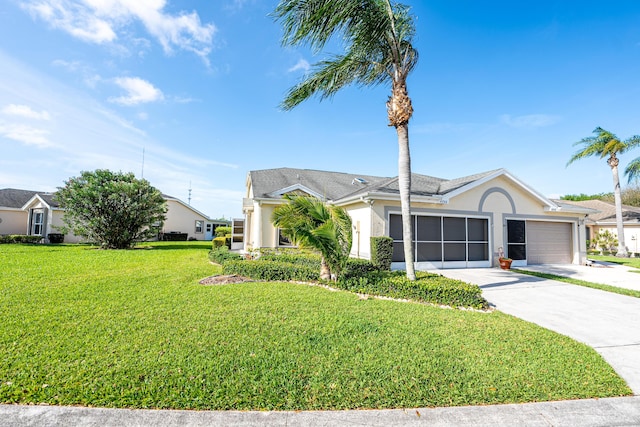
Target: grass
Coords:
[(600, 286), (81, 326), (629, 262)]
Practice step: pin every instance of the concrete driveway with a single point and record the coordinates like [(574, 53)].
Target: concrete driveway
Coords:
[(608, 322)]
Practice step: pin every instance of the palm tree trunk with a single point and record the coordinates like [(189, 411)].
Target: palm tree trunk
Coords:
[(622, 248), (325, 271), (404, 184)]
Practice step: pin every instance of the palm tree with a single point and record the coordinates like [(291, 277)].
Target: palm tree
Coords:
[(309, 222), (378, 50), (604, 144)]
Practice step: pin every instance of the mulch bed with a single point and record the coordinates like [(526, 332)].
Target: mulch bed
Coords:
[(224, 280)]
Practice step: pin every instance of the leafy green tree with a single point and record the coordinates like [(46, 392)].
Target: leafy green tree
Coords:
[(378, 38), (114, 210), (582, 197), (606, 144), (309, 222)]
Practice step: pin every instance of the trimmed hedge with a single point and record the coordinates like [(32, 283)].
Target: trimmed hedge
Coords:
[(19, 238), (359, 276), (292, 256), (271, 270), (428, 287), (356, 267), (382, 252), (221, 254)]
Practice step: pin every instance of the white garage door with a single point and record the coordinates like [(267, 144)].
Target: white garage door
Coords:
[(549, 242)]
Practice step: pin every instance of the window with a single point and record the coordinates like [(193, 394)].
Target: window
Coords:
[(37, 222), (283, 240), (516, 240), (443, 238), (199, 225)]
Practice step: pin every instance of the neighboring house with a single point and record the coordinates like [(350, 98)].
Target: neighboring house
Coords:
[(183, 218), (605, 220), (458, 223), (37, 213), (30, 212)]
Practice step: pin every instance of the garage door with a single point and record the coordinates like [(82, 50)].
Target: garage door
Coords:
[(549, 243)]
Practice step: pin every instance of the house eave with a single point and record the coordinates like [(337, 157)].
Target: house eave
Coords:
[(373, 196)]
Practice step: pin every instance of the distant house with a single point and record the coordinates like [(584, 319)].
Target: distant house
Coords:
[(604, 218), (38, 214), (458, 223)]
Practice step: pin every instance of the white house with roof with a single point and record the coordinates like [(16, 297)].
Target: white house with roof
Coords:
[(604, 219), (458, 223), (38, 214)]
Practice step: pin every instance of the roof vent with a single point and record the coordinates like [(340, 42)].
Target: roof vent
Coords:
[(358, 181)]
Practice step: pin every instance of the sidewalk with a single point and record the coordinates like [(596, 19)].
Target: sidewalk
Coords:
[(622, 411)]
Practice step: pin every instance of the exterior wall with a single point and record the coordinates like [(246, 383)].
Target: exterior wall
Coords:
[(361, 218), (56, 222), (259, 232), (182, 219), (13, 221)]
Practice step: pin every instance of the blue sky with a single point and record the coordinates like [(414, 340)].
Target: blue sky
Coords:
[(90, 84)]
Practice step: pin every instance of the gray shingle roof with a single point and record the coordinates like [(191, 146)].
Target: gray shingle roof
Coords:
[(338, 185), (14, 198), (607, 210)]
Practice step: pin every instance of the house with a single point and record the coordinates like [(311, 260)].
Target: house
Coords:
[(38, 213), (183, 218), (605, 220), (458, 223)]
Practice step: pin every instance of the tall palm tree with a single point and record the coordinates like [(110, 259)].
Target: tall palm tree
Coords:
[(378, 49), (604, 144), (309, 222)]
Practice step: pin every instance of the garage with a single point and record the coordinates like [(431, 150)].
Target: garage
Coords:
[(549, 242)]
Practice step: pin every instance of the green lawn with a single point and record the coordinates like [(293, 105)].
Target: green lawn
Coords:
[(81, 326), (629, 262)]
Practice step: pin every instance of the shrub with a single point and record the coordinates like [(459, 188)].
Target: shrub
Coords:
[(223, 230), (114, 209), (271, 270), (218, 242), (19, 238), (221, 254), (355, 267), (427, 287), (381, 252), (292, 256), (55, 237)]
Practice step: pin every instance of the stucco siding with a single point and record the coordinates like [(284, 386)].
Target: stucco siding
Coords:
[(361, 228), (13, 222), (183, 220)]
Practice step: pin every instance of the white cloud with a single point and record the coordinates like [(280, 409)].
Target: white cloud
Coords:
[(26, 112), (102, 21), (530, 121), (139, 91), (300, 65), (26, 134)]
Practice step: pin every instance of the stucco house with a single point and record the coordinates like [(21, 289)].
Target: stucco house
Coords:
[(38, 213), (604, 219), (458, 223)]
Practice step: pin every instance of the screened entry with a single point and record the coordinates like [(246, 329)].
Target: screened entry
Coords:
[(444, 241)]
